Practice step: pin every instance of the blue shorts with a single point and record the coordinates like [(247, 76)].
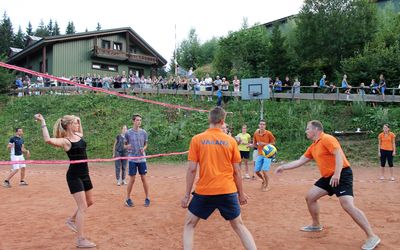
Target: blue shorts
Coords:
[(135, 166), (204, 205), (262, 163)]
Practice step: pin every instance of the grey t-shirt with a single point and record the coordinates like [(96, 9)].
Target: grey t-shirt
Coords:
[(137, 139)]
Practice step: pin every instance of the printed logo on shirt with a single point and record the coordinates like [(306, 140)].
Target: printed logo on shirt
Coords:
[(215, 142)]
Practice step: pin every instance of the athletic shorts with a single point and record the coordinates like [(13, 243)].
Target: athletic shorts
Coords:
[(135, 166), (17, 158), (262, 163), (204, 205), (345, 186), (79, 183), (386, 155), (244, 154)]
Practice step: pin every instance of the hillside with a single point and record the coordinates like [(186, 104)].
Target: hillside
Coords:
[(170, 130)]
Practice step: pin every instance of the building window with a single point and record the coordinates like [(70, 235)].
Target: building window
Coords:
[(136, 71), (105, 44), (117, 46), (112, 68), (96, 66), (106, 67), (132, 49)]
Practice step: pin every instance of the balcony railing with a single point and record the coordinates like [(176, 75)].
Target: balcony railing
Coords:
[(142, 58), (121, 55)]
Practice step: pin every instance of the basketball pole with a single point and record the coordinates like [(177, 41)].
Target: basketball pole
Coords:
[(262, 109)]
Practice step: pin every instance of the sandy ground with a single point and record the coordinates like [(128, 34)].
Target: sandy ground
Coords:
[(33, 217)]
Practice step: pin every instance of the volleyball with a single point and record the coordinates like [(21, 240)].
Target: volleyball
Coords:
[(269, 151)]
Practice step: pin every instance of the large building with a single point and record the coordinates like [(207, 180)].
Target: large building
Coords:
[(101, 52)]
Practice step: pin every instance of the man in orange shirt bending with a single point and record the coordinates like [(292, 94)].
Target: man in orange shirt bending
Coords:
[(220, 182), (337, 178), (262, 164)]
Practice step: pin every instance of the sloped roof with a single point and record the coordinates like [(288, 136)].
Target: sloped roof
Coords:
[(12, 51), (40, 42), (31, 40), (16, 50)]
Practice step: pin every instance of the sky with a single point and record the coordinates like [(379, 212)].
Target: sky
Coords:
[(153, 20)]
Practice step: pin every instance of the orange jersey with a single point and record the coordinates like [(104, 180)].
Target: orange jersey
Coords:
[(266, 137), (387, 141), (216, 152), (322, 152)]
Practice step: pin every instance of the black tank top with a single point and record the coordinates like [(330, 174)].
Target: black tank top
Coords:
[(77, 152)]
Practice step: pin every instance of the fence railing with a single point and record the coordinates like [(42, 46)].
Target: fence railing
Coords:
[(303, 93)]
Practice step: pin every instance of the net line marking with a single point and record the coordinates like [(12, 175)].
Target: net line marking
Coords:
[(90, 160)]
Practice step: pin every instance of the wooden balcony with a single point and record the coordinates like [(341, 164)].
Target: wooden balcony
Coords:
[(122, 56), (142, 58), (110, 53)]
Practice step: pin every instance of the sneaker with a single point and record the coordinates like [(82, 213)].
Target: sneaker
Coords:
[(392, 178), (311, 228), (84, 243), (247, 176), (129, 202), (118, 183), (124, 182), (23, 183), (147, 202), (371, 243), (71, 224), (381, 178), (6, 184)]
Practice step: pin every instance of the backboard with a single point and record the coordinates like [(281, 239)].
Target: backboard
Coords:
[(255, 88)]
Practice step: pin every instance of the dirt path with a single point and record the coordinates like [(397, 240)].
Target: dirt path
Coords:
[(33, 217)]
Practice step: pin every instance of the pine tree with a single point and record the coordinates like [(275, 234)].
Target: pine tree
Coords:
[(98, 26), (29, 29), (50, 27), (6, 34), (278, 60), (70, 28), (56, 29), (42, 30), (19, 39)]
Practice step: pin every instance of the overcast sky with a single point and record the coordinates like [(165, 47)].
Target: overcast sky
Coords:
[(153, 20)]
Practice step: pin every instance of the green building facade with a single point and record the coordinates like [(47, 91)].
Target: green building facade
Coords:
[(105, 52)]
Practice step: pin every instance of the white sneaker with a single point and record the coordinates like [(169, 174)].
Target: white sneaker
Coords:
[(6, 184), (124, 182), (247, 176), (84, 243), (119, 183)]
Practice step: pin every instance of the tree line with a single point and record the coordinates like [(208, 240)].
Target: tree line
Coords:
[(8, 38), (332, 37)]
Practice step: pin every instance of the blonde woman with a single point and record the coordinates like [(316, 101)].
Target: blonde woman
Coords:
[(68, 133)]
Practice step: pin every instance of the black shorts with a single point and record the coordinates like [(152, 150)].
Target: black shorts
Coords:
[(79, 183), (386, 155), (204, 205), (345, 186), (244, 154)]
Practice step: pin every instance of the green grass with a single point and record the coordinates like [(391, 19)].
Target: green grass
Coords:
[(170, 130)]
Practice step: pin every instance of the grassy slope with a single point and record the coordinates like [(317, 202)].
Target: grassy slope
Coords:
[(170, 130)]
